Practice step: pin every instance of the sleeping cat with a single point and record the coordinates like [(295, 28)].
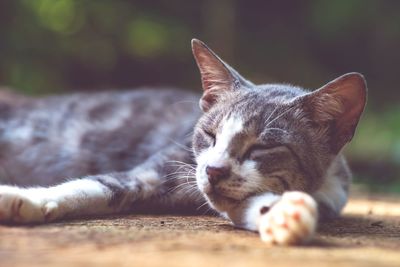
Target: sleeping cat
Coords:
[(262, 156)]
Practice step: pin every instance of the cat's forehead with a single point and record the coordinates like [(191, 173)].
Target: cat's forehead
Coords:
[(254, 108)]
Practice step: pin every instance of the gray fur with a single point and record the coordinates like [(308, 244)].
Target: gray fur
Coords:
[(49, 140), (115, 138)]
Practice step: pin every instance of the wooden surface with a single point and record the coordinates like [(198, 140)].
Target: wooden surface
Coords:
[(367, 235)]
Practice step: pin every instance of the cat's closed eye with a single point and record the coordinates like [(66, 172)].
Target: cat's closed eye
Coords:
[(211, 136), (259, 150)]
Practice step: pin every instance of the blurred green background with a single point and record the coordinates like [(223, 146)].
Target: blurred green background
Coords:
[(57, 46)]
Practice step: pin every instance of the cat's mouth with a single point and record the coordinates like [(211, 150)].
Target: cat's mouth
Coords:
[(215, 195)]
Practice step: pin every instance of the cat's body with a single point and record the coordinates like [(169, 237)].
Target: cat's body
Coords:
[(155, 151), (45, 141), (51, 140)]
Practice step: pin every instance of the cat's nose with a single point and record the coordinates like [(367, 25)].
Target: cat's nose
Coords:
[(216, 174)]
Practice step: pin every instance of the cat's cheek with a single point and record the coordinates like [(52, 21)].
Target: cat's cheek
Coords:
[(201, 177), (201, 180), (248, 170)]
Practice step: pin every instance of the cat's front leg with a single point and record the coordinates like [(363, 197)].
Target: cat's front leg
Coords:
[(92, 195), (282, 220), (38, 205), (16, 206)]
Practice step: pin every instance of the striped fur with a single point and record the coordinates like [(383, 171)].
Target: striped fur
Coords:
[(146, 150)]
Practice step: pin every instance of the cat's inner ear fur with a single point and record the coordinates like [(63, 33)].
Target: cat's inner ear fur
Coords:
[(216, 75), (339, 105)]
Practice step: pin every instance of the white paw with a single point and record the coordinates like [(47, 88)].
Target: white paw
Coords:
[(24, 206), (292, 220)]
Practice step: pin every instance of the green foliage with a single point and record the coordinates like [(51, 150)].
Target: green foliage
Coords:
[(146, 37), (60, 16)]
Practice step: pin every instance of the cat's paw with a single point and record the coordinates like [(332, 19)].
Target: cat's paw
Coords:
[(20, 206), (292, 220)]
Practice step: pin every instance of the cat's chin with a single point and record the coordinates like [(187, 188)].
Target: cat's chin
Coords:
[(219, 201), (216, 197)]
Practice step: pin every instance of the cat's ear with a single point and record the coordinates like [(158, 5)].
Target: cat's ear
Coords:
[(216, 75), (339, 105)]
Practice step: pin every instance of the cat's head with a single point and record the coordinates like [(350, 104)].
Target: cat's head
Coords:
[(268, 138)]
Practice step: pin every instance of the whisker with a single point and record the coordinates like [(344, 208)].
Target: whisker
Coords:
[(181, 163), (179, 176), (179, 180), (280, 115), (195, 192), (186, 148), (190, 134), (202, 205), (179, 186), (186, 180), (190, 173), (213, 212), (191, 190), (275, 129), (270, 115)]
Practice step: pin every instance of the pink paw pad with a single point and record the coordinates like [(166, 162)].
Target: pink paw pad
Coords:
[(292, 220)]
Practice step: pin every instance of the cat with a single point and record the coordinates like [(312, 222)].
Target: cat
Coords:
[(267, 157)]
